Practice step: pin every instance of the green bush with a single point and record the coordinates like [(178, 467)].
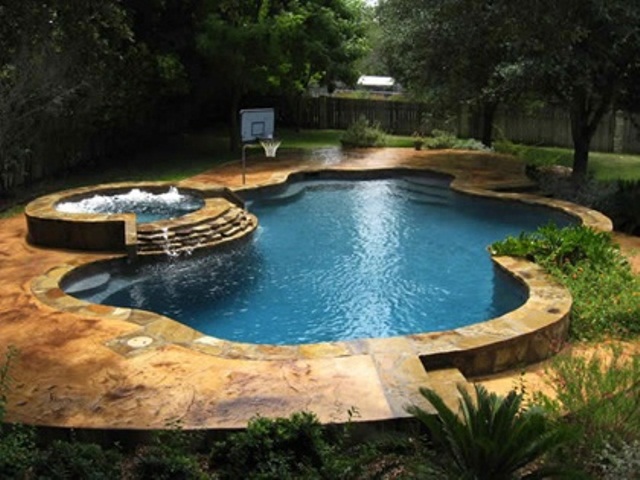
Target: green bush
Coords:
[(171, 455), (606, 294), (492, 437), (623, 206), (156, 462), (441, 139), (363, 133), (17, 442), (17, 451), (77, 461), (281, 448), (600, 396)]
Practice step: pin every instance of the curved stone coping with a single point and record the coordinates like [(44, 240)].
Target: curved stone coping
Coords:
[(50, 227), (528, 334)]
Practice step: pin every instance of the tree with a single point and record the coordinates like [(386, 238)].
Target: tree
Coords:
[(585, 55), (454, 51), (278, 46), (582, 54), (55, 58)]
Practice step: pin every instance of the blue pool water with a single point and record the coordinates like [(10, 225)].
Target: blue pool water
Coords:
[(340, 260)]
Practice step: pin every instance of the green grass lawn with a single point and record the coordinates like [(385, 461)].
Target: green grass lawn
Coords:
[(189, 154), (604, 166)]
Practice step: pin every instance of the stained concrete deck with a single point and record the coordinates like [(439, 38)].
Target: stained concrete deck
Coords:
[(70, 373)]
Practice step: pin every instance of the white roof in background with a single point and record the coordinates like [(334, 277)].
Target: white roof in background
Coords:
[(374, 81)]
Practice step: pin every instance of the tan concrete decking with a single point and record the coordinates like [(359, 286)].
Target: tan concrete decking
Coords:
[(83, 367)]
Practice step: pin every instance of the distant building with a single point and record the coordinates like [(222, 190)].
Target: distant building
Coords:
[(378, 85), (373, 82)]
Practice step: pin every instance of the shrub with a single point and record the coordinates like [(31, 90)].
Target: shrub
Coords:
[(605, 292), (17, 442), (282, 448), (442, 139), (600, 396), (363, 133), (623, 206), (171, 455), (17, 451), (493, 437), (156, 462), (77, 461)]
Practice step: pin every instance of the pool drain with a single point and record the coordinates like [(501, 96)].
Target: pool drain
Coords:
[(139, 342)]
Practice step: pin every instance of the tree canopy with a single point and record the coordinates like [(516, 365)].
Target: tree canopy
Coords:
[(583, 54), (80, 80), (454, 51), (279, 46)]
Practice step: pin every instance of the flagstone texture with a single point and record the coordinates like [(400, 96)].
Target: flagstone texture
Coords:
[(83, 365)]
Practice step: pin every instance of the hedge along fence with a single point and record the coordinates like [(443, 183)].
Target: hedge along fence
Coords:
[(546, 126)]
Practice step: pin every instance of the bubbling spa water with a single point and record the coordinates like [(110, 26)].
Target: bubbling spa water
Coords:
[(147, 206), (339, 260)]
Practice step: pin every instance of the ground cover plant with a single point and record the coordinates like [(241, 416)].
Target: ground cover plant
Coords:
[(599, 396), (606, 294)]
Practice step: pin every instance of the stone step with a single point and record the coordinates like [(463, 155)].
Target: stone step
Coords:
[(403, 374), (186, 238)]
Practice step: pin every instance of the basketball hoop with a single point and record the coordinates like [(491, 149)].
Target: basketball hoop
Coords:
[(256, 127), (270, 146)]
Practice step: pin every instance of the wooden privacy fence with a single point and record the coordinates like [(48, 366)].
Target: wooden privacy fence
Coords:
[(545, 126)]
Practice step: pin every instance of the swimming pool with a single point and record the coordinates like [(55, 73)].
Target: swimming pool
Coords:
[(338, 260)]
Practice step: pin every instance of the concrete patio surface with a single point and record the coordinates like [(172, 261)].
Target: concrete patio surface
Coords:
[(73, 371)]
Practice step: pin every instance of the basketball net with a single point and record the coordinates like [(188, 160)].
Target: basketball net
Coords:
[(270, 146)]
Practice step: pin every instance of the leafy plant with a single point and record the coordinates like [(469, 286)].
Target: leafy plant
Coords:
[(17, 442), (363, 133), (156, 462), (553, 246), (77, 461), (493, 437), (17, 451), (281, 448), (600, 396), (623, 206), (605, 292), (171, 455), (442, 139)]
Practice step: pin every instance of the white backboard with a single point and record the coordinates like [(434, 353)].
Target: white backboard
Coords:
[(256, 123)]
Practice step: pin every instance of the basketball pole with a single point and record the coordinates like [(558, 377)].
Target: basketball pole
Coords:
[(244, 163)]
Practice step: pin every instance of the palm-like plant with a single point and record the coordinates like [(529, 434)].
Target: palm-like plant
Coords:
[(493, 437)]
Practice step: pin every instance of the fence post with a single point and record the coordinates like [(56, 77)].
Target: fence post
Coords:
[(618, 131), (464, 127)]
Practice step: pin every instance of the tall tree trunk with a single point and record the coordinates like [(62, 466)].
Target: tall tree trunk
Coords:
[(488, 113), (581, 133), (586, 113)]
